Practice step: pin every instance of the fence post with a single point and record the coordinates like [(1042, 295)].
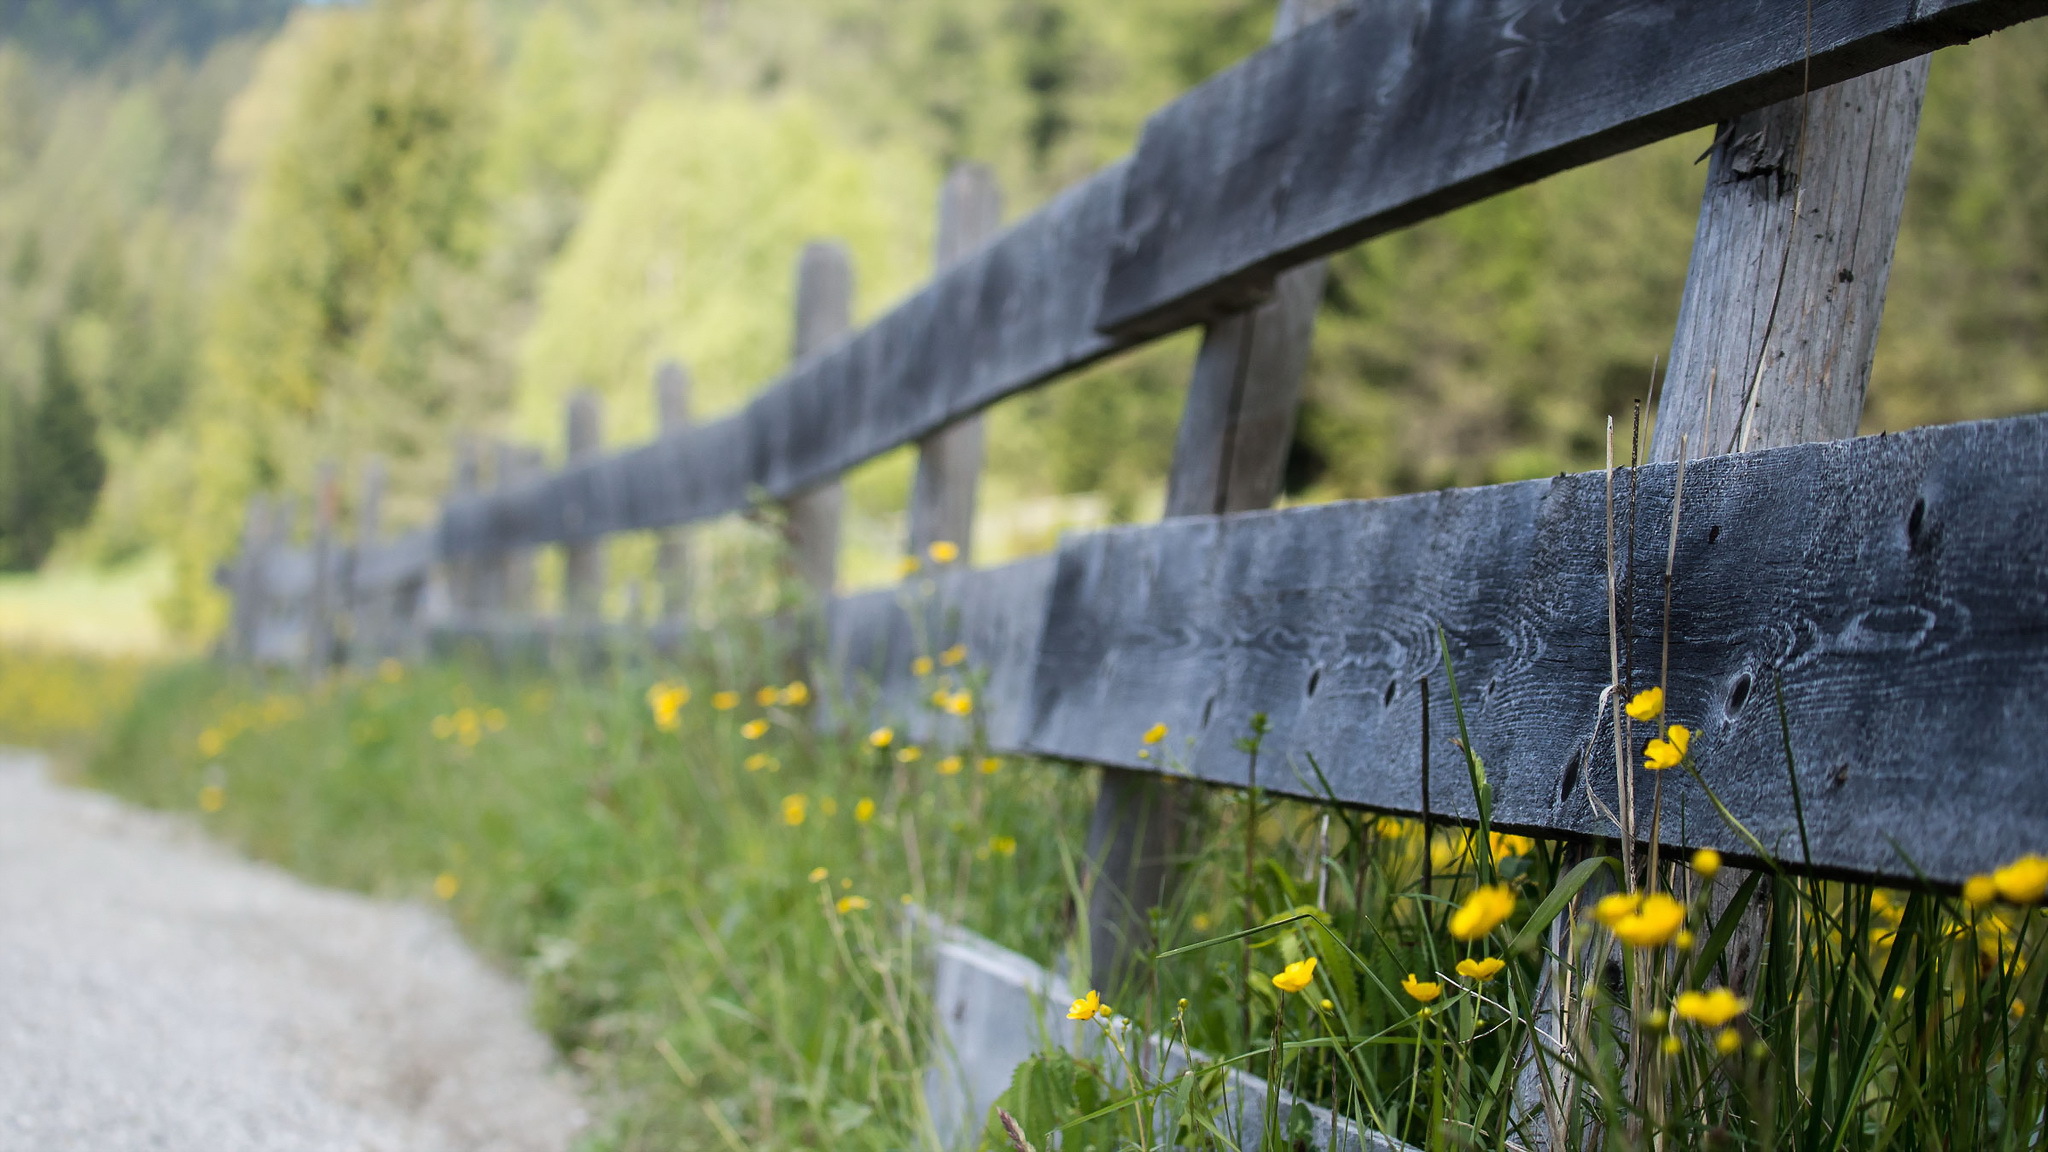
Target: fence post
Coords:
[(949, 460), (515, 464), (368, 610), (1776, 332), (672, 553), (824, 311), (583, 560), (245, 610), (1229, 455), (462, 570), (320, 609)]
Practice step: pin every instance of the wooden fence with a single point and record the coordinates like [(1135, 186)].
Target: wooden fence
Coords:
[(1889, 590)]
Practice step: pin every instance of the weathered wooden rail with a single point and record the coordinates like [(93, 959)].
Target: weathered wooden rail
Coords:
[(1893, 589)]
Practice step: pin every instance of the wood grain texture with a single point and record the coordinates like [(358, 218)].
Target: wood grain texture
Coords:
[(824, 312), (1016, 313), (1405, 109), (949, 460), (588, 491), (1780, 316), (1894, 582), (672, 549)]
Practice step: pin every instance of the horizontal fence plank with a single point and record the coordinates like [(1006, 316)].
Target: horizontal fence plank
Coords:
[(1896, 582), (1016, 313), (1388, 113), (383, 567)]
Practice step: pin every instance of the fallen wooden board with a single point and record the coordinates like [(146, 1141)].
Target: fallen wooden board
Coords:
[(1394, 111)]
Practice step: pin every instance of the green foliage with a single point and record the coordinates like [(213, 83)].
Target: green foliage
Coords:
[(56, 466)]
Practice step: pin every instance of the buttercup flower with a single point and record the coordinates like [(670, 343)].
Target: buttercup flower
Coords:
[(796, 694), (990, 765), (725, 701), (852, 904), (950, 766), (1712, 1009), (882, 737), (1423, 990), (1087, 1007), (1980, 891), (212, 798), (212, 742), (1505, 845), (1482, 911), (761, 761), (754, 729), (1003, 845), (1668, 752), (1706, 862), (794, 808), (1296, 976), (864, 810), (1482, 969), (767, 695), (2024, 881), (922, 666), (954, 655), (907, 567), (1155, 734), (818, 874), (1647, 705), (1652, 922), (960, 703), (910, 754), (943, 551), (1728, 1043), (390, 671), (446, 885)]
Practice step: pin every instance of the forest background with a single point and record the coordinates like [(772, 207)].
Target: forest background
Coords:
[(238, 237)]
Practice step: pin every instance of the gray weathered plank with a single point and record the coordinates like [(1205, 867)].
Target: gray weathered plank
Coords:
[(949, 460), (1895, 582), (824, 312), (583, 557), (384, 567), (1406, 109), (672, 554), (1778, 326)]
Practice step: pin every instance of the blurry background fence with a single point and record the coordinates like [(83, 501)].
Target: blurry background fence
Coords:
[(1871, 610)]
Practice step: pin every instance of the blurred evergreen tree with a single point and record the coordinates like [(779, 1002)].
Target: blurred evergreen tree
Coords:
[(57, 468)]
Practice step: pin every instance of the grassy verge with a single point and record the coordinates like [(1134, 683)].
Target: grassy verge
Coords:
[(700, 887)]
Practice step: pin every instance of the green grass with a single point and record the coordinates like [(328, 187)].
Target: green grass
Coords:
[(656, 886)]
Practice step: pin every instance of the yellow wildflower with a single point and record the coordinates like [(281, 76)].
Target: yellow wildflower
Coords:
[(907, 567), (212, 798), (1613, 907), (1671, 1046), (1979, 891), (495, 719), (212, 743), (1482, 911), (754, 729), (767, 695), (1296, 976), (1482, 969), (796, 694), (1706, 862), (1668, 752), (954, 656), (1155, 734), (960, 703), (442, 727), (1647, 705), (390, 671), (990, 765), (1655, 920), (922, 666), (1684, 941), (853, 904), (829, 806), (882, 737), (950, 766), (1202, 922), (2018, 1009), (2024, 881), (761, 761), (910, 754), (446, 885), (943, 551), (1505, 845), (1324, 1004), (1087, 1007), (725, 701), (794, 808), (1391, 827), (818, 874), (1423, 990), (864, 810), (1003, 845), (1713, 1008), (1729, 1042)]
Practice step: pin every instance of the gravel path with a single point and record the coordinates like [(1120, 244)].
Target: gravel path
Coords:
[(158, 993)]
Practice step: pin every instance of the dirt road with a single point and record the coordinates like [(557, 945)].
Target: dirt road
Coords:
[(158, 993)]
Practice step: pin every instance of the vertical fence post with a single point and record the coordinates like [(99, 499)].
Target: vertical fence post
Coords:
[(1776, 332), (949, 460), (1229, 455), (672, 552), (583, 560), (824, 311), (368, 609), (320, 606), (462, 570), (245, 610), (515, 465)]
